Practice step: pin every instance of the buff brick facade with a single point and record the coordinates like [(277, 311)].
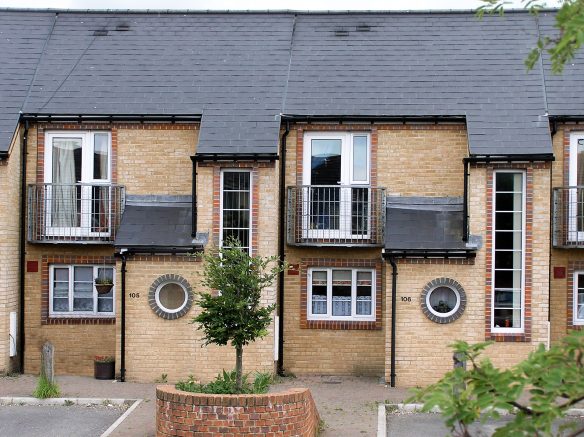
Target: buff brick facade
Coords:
[(400, 185), (9, 248)]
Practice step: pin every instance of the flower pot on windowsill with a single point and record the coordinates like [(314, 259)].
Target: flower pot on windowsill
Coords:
[(104, 368), (103, 288)]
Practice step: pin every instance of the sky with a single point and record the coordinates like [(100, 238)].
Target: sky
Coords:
[(256, 4)]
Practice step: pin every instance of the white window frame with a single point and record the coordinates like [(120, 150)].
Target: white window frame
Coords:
[(499, 330), (573, 234), (80, 314), (347, 180), (161, 306), (87, 159), (575, 320), (329, 302), (237, 170)]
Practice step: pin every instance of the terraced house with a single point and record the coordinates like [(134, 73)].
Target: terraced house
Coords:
[(422, 185)]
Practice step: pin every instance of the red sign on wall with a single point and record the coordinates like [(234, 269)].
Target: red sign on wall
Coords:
[(32, 266), (559, 273)]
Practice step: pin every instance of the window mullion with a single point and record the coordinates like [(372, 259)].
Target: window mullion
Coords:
[(329, 292), (353, 292), (71, 286)]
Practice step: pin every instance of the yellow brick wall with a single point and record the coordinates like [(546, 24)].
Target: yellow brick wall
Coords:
[(416, 161), (175, 347), (422, 352), (422, 160), (156, 161), (9, 244), (559, 292)]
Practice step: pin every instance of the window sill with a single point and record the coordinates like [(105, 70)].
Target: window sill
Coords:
[(80, 320), (502, 337), (346, 325)]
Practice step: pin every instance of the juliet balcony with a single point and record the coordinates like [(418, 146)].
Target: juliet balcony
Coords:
[(74, 213), (568, 217), (335, 215)]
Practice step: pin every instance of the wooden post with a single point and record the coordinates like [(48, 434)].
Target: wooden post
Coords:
[(47, 362)]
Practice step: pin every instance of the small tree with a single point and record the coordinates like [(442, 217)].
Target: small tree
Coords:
[(232, 311), (553, 380)]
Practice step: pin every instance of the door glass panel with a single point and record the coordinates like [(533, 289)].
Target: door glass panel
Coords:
[(342, 292), (66, 171), (325, 170), (360, 159), (100, 156)]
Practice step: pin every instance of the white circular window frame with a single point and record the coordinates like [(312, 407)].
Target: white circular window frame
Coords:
[(435, 316), (449, 313), (168, 310)]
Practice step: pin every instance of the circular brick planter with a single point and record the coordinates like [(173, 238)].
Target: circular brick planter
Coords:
[(288, 413)]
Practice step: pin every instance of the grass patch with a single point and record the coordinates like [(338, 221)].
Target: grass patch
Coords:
[(46, 389), (225, 384)]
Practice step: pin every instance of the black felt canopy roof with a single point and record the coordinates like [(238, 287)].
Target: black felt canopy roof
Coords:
[(241, 71)]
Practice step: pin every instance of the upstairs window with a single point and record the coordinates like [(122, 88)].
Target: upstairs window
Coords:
[(508, 252), (336, 195), (578, 303), (77, 193), (72, 291), (236, 207)]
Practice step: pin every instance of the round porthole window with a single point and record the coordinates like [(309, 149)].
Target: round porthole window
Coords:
[(170, 296), (443, 300)]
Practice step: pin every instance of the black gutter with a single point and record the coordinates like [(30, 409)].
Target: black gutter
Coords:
[(465, 217), (80, 118), (4, 155), (123, 327), (560, 118), (194, 199), (281, 250), (428, 253), (393, 313), (537, 157), (235, 157), (22, 244), (160, 249), (372, 118)]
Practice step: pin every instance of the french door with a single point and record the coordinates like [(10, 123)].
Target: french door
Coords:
[(576, 190), (336, 193), (77, 184)]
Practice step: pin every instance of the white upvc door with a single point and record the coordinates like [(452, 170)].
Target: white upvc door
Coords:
[(76, 165), (576, 195), (335, 165)]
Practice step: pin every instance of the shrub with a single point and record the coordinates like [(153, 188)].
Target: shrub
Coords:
[(226, 384)]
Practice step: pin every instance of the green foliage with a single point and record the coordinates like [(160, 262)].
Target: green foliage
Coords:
[(235, 314), (552, 380), (46, 389), (226, 383), (104, 359), (562, 47), (163, 379)]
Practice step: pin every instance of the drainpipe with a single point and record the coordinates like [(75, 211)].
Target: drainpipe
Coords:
[(393, 311), (22, 243), (281, 254), (194, 199), (465, 203), (123, 327)]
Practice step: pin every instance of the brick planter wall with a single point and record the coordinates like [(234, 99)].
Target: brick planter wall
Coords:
[(288, 413)]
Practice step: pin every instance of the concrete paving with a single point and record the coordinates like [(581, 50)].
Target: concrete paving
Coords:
[(432, 425), (56, 421)]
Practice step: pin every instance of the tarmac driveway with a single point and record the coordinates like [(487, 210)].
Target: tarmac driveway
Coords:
[(57, 421)]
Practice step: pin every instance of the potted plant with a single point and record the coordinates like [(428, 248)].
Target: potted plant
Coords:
[(103, 285), (104, 367)]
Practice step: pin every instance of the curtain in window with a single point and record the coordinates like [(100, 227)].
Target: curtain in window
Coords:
[(64, 191)]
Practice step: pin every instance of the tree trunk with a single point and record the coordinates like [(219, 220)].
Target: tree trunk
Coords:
[(238, 366)]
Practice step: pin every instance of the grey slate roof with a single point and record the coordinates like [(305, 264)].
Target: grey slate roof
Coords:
[(162, 222), (240, 71), (425, 224)]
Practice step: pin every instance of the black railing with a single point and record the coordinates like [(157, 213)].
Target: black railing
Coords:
[(74, 213), (568, 217), (329, 215)]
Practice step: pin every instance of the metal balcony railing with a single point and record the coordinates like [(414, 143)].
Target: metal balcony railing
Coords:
[(75, 213), (330, 215), (568, 217)]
